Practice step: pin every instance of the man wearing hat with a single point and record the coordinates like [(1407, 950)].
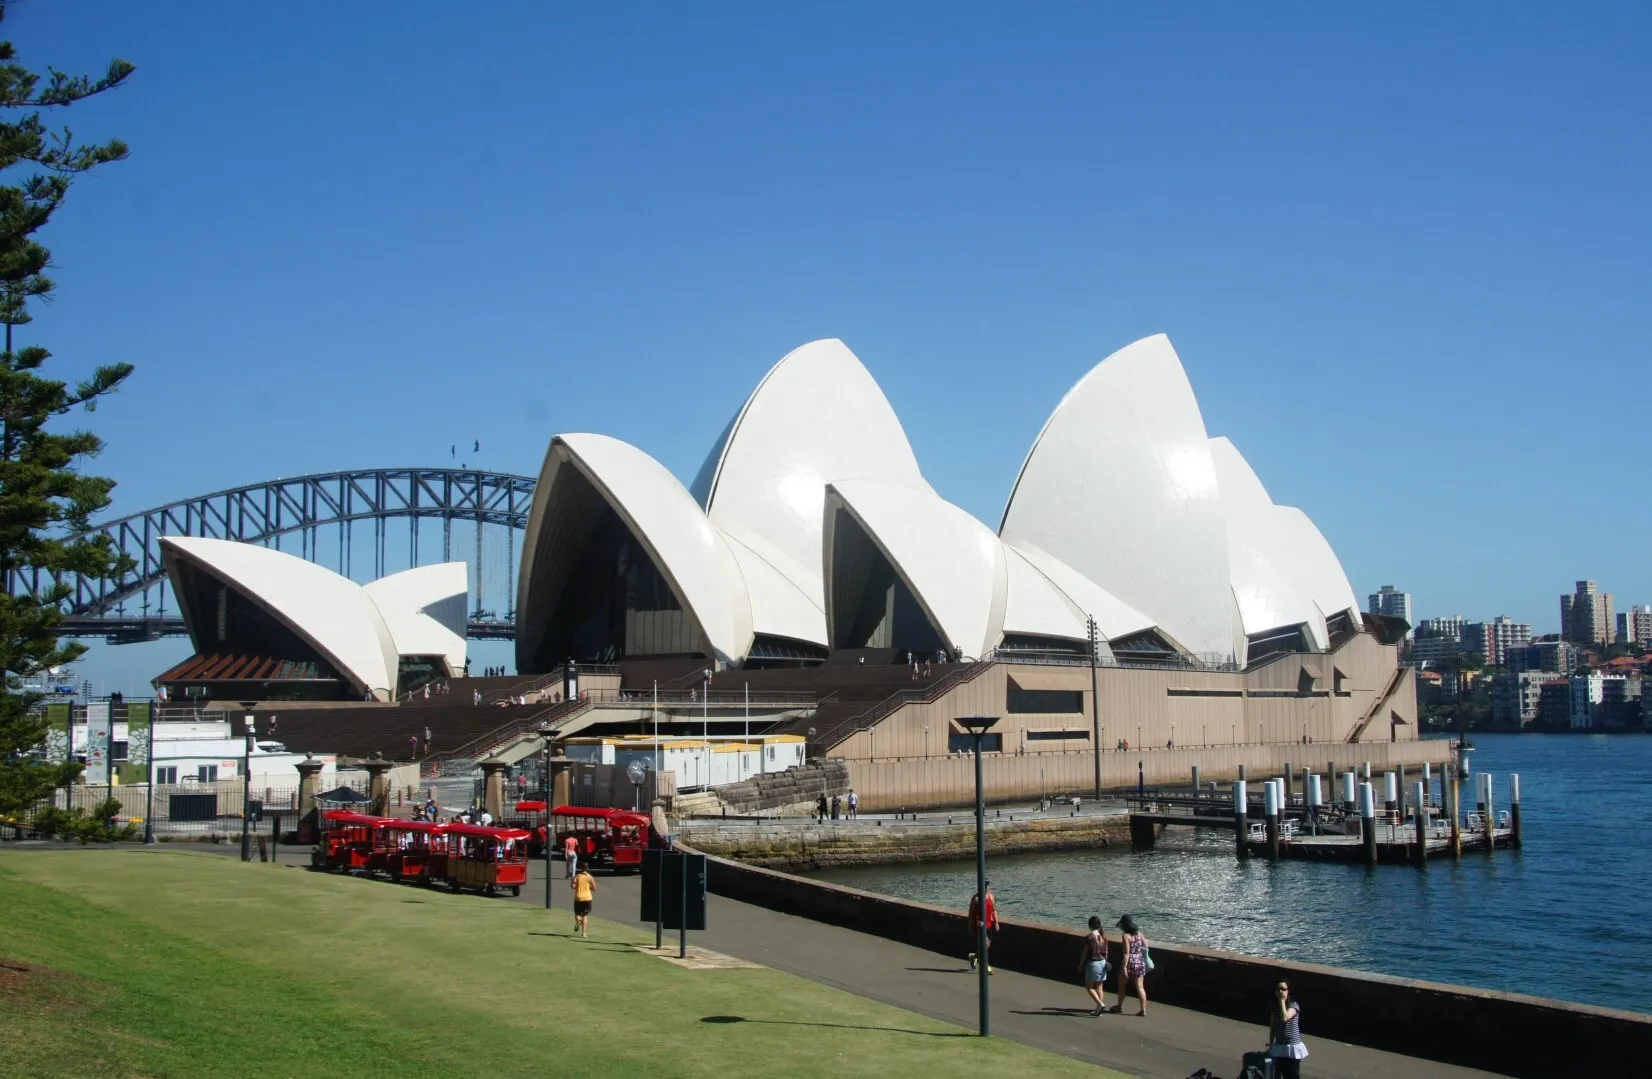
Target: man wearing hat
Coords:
[(975, 917)]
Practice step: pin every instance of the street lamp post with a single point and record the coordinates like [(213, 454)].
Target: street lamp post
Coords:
[(978, 727), (549, 836), (149, 809), (246, 793)]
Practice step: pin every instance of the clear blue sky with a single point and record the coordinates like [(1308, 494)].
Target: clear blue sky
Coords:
[(1404, 251)]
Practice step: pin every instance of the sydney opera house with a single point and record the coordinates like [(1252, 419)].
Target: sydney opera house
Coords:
[(1141, 590)]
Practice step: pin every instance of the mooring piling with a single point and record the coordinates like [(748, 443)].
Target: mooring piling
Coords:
[(1456, 818), (1368, 822), (1514, 809), (1270, 807), (1241, 827), (1421, 809), (1314, 793)]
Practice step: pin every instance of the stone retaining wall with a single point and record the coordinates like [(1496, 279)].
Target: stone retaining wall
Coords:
[(1507, 1033), (804, 845)]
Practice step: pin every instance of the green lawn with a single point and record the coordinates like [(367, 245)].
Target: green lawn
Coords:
[(178, 963)]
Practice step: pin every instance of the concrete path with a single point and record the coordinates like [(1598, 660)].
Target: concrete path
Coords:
[(1171, 1043)]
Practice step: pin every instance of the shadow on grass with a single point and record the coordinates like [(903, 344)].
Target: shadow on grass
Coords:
[(723, 1019), (1055, 1013), (607, 946)]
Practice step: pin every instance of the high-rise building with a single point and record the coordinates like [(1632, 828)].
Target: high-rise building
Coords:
[(1433, 649), (1586, 615), (1635, 625), (1496, 639), (1390, 601), (1543, 656)]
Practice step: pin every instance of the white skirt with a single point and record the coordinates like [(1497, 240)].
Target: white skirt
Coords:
[(1288, 1051)]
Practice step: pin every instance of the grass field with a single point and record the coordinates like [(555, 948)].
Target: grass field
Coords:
[(178, 964)]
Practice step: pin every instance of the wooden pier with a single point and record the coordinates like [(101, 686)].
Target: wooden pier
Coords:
[(1273, 824)]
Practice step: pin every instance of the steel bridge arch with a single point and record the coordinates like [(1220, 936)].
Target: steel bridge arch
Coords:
[(301, 505)]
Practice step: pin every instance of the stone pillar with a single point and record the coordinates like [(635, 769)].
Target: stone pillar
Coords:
[(561, 783), (493, 788), (378, 776), (308, 769)]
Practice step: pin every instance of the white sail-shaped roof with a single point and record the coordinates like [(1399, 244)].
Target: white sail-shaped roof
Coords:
[(660, 513), (1267, 576), (1120, 486), (952, 563), (1318, 568), (424, 609), (330, 612), (816, 418), (1114, 618), (778, 607)]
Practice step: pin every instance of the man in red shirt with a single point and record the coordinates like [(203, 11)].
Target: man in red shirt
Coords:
[(975, 924)]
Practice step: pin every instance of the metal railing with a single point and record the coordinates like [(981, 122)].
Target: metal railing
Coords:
[(1196, 661), (895, 701), (717, 698)]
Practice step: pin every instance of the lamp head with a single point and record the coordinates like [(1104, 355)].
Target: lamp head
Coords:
[(977, 724)]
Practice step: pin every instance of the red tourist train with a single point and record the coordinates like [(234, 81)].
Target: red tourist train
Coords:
[(604, 838), (488, 860)]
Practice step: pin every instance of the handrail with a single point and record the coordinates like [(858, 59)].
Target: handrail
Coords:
[(900, 698), (1376, 706), (476, 748), (1210, 662), (717, 698)]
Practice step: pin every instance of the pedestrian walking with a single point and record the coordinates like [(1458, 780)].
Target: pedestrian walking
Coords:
[(820, 809), (570, 856), (1092, 965), (1285, 1046), (854, 804), (975, 916), (412, 745), (585, 893), (837, 804), (1137, 962), (425, 748)]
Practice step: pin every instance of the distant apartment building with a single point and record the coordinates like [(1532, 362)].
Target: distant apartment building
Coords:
[(1604, 701), (1517, 698), (1433, 649), (1443, 627), (1586, 615), (1392, 602), (1496, 639), (1554, 703), (1635, 625), (1557, 656)]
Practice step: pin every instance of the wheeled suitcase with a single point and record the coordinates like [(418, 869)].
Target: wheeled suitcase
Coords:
[(1257, 1065)]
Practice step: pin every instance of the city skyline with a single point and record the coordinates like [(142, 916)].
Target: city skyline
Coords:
[(667, 206)]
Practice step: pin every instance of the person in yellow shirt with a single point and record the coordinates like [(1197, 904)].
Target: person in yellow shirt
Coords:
[(585, 891)]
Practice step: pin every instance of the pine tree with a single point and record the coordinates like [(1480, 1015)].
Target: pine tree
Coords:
[(44, 499)]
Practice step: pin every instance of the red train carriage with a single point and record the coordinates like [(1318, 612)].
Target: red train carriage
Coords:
[(350, 840), (610, 838), (487, 860), (413, 843)]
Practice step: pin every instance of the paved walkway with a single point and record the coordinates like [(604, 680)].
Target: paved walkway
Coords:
[(1171, 1043)]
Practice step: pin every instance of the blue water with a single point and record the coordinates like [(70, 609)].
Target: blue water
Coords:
[(1570, 916)]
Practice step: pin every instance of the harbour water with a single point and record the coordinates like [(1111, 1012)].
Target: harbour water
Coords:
[(1569, 916)]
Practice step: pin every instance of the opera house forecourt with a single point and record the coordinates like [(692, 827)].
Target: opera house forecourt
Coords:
[(269, 625), (810, 553)]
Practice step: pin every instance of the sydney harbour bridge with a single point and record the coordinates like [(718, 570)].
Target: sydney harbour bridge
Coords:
[(362, 524)]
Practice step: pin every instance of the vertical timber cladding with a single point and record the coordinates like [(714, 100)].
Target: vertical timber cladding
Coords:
[(1212, 717)]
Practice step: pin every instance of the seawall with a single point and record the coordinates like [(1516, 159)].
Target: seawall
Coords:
[(791, 843), (1509, 1033)]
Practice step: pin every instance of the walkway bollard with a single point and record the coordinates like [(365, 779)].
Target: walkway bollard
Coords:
[(1270, 807), (1456, 818), (1241, 826), (1514, 807), (1368, 822), (1421, 812), (1348, 789), (1314, 794)]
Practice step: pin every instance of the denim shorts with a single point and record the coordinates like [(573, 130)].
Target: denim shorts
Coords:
[(1095, 971)]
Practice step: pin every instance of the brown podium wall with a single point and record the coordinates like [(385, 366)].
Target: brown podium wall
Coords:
[(1480, 1028)]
